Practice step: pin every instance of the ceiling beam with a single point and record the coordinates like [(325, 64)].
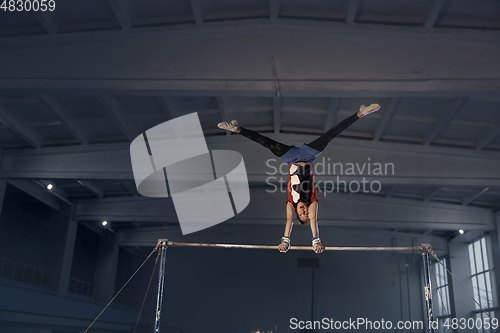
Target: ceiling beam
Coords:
[(167, 106), (302, 129), (130, 186), (392, 109), (37, 192), (255, 88), (274, 9), (336, 210), (221, 102), (473, 196), (428, 232), (353, 11), (302, 26), (277, 105), (413, 164), (444, 118), (305, 110), (431, 194), (159, 75), (489, 136), (115, 112), (198, 11), (48, 20), (57, 191), (92, 187), (21, 130), (95, 227), (67, 121), (121, 10), (331, 115), (433, 13), (391, 192)]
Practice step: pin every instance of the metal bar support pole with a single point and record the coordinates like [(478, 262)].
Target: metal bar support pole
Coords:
[(312, 297), (428, 290), (162, 246)]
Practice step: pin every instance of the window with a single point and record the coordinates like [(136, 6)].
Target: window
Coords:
[(481, 282), (442, 303)]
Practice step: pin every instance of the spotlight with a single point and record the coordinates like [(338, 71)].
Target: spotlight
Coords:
[(461, 231), (104, 222), (50, 186)]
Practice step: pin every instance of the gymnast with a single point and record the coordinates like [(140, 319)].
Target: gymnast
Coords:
[(302, 198)]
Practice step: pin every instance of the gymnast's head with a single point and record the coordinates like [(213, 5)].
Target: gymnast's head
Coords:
[(302, 212)]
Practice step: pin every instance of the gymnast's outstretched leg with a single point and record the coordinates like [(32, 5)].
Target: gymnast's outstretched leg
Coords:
[(322, 142), (277, 148)]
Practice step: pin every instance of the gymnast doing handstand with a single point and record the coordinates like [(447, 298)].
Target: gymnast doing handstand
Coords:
[(302, 198)]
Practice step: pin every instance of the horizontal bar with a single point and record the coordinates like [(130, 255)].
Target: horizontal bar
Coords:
[(327, 248)]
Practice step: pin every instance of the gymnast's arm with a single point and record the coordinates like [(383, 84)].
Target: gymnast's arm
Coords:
[(283, 247), (313, 212)]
